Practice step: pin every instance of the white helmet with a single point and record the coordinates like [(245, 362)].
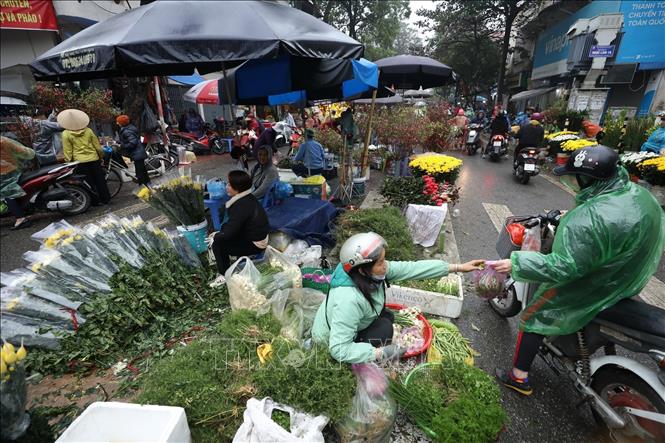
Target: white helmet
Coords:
[(360, 249)]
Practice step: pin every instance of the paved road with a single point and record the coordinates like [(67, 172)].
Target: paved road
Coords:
[(488, 193), (15, 243)]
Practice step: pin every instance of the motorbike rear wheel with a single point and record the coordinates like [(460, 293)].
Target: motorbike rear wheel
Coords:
[(522, 176), (471, 149), (216, 146), (621, 388), (81, 200), (508, 306)]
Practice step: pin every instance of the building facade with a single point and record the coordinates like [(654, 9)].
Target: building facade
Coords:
[(603, 56), (28, 28)]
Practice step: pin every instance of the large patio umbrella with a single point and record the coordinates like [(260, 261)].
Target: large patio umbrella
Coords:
[(175, 37), (408, 72), (414, 72)]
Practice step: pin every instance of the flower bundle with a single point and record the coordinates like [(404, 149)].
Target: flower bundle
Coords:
[(575, 144), (633, 161), (436, 192), (180, 199), (653, 170), (562, 136), (443, 168)]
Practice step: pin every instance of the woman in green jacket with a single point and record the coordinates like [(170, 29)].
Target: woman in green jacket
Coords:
[(353, 321)]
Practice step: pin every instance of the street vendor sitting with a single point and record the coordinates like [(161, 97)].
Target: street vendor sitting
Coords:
[(246, 231), (312, 154), (264, 173), (353, 321)]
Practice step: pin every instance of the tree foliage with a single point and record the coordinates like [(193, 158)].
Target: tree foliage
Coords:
[(375, 23), (484, 27), (463, 38)]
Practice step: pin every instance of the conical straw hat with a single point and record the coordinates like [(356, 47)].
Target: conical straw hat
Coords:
[(73, 119)]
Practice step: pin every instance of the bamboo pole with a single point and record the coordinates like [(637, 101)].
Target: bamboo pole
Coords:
[(368, 134)]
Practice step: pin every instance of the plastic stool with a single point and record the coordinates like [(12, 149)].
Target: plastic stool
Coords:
[(215, 205)]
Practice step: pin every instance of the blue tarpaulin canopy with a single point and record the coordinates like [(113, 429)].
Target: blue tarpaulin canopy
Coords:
[(286, 81), (191, 80)]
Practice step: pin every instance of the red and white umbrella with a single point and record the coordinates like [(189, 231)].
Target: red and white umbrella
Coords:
[(204, 93)]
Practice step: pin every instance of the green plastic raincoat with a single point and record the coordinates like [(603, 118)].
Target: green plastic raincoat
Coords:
[(349, 312), (605, 250)]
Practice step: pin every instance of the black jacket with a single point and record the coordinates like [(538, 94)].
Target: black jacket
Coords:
[(499, 126), (531, 135), (131, 143), (247, 219)]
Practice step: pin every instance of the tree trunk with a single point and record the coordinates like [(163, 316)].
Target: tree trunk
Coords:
[(504, 57)]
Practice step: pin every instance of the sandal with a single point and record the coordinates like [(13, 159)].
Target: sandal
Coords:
[(24, 224)]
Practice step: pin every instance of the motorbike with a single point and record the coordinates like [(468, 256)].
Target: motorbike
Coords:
[(56, 188), (473, 138), (624, 394), (497, 147), (210, 141), (527, 164)]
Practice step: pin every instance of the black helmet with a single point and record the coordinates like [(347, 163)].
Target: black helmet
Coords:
[(597, 162)]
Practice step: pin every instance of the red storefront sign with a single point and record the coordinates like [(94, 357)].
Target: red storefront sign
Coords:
[(27, 14)]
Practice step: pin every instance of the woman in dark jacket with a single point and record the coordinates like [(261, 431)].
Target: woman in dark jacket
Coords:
[(246, 231), (132, 147)]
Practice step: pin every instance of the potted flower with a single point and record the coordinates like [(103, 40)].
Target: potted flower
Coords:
[(443, 168), (570, 146), (555, 139)]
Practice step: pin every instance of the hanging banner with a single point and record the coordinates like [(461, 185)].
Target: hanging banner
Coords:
[(28, 14)]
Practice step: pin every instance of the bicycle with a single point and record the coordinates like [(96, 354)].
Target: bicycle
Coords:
[(156, 165)]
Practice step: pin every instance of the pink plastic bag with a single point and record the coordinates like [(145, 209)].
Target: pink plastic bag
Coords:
[(489, 283)]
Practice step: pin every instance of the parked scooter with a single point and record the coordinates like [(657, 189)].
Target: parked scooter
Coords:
[(626, 395), (497, 147), (209, 142), (527, 164), (473, 138), (56, 188)]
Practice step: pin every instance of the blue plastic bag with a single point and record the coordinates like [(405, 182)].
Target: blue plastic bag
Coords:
[(283, 190), (216, 188)]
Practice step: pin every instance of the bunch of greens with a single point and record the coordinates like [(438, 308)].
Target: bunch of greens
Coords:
[(387, 222), (213, 378), (147, 307), (449, 343), (452, 402), (447, 285)]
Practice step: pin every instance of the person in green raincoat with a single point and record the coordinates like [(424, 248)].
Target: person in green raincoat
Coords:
[(11, 154), (353, 321), (604, 250)]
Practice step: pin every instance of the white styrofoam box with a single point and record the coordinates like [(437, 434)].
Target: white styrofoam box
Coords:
[(128, 423), (428, 302), (286, 175)]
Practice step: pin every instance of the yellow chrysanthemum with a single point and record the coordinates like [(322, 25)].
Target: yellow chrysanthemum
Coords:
[(144, 193), (436, 163), (560, 133), (574, 145), (658, 162)]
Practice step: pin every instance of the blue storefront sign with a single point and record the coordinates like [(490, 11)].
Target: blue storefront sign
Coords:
[(643, 38), (551, 52), (643, 41), (601, 51)]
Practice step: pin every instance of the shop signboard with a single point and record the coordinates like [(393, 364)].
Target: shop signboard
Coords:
[(551, 52), (602, 51), (28, 15), (643, 41)]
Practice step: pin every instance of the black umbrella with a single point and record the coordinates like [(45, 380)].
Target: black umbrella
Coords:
[(413, 72), (175, 37)]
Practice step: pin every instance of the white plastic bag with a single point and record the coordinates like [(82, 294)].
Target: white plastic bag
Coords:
[(242, 280), (425, 223), (258, 425)]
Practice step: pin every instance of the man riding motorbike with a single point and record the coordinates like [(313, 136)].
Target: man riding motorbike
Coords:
[(604, 250), (531, 135), (499, 126)]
